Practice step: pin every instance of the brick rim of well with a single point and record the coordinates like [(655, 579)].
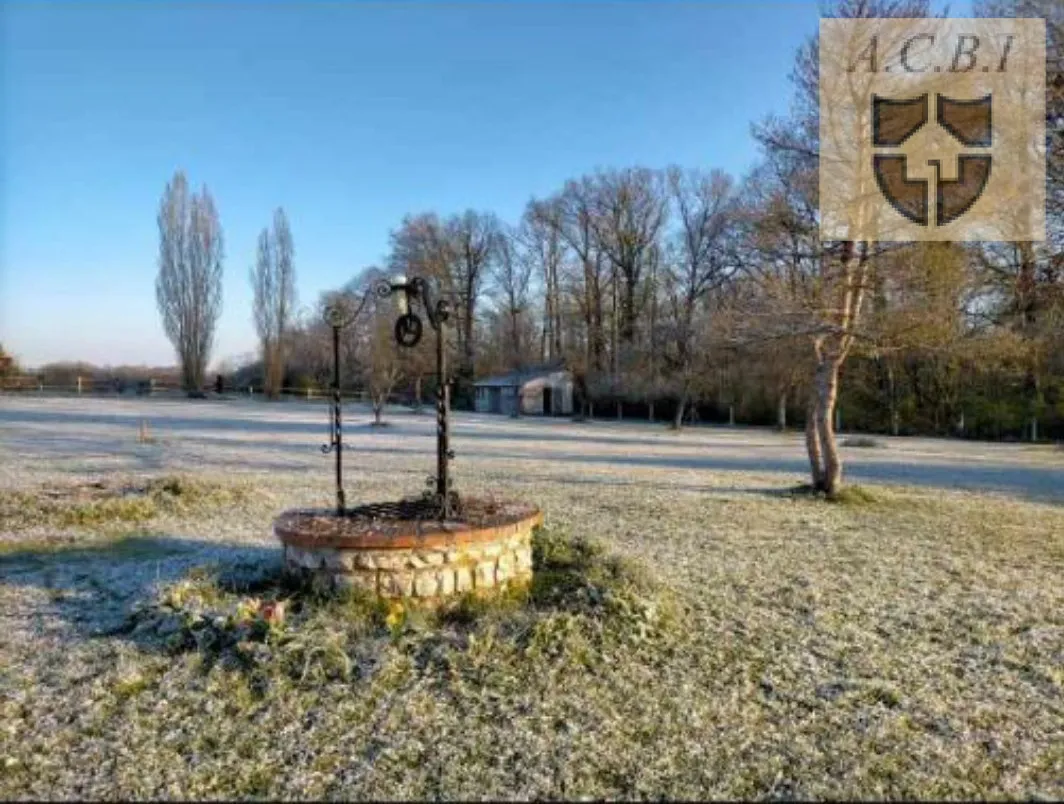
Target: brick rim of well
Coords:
[(303, 527)]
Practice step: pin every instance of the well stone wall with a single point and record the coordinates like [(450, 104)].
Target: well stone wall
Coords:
[(425, 561)]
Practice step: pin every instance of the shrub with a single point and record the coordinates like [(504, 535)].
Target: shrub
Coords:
[(866, 442)]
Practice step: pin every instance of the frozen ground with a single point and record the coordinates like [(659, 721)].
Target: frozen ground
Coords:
[(45, 435), (910, 646)]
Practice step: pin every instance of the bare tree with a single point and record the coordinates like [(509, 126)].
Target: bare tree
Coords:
[(473, 239), (420, 247), (569, 213), (310, 352), (274, 289), (703, 203), (1030, 276), (817, 290), (188, 287), (629, 213), (1052, 11), (8, 365), (511, 275), (379, 358), (545, 249)]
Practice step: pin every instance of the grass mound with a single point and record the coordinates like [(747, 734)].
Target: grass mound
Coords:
[(848, 495), (101, 504), (579, 577), (854, 495), (582, 604)]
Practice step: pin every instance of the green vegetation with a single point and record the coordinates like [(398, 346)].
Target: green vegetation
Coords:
[(847, 495), (854, 495), (98, 505)]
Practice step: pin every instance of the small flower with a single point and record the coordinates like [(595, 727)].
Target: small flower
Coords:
[(396, 616), (274, 612), (248, 609)]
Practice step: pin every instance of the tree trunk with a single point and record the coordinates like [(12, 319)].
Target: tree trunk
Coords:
[(515, 337), (274, 372), (812, 441), (417, 393), (830, 353), (588, 349), (781, 412), (556, 323), (895, 418), (598, 352), (546, 341), (827, 389), (615, 355), (1036, 404)]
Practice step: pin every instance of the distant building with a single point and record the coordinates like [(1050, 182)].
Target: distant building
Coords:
[(544, 391)]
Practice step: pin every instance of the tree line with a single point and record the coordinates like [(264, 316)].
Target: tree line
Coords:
[(685, 293)]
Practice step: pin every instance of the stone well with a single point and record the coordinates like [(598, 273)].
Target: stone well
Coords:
[(392, 552)]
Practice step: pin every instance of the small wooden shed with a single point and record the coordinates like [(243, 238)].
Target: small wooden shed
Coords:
[(545, 391)]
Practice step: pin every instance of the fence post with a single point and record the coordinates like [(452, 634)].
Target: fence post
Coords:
[(79, 386)]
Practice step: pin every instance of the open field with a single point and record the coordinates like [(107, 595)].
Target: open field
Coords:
[(98, 435), (750, 643)]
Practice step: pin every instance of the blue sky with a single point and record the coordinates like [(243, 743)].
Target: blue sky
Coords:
[(348, 114)]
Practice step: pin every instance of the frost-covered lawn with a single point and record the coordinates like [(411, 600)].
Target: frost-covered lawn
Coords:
[(729, 640)]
